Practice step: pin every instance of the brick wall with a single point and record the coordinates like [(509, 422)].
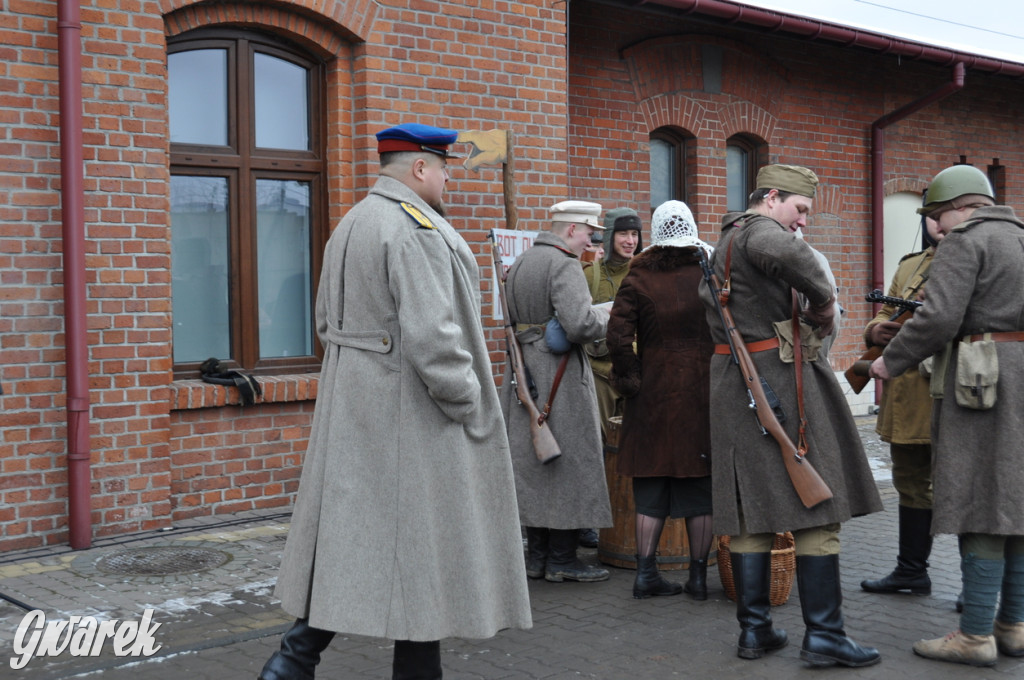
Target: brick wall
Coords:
[(165, 449), (813, 104)]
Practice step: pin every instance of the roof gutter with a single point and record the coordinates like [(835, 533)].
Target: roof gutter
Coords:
[(76, 348), (813, 29)]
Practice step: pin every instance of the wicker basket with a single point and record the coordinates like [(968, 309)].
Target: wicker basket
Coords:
[(783, 567)]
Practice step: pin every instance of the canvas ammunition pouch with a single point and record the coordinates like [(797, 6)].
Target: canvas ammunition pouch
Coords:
[(977, 372), (810, 343)]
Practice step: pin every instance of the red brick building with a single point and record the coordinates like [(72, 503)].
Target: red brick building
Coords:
[(171, 169)]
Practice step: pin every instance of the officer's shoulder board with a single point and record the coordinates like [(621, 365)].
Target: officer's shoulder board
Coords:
[(910, 255), (417, 215)]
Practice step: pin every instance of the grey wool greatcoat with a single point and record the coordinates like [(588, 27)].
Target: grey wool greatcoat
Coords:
[(975, 286), (666, 431), (569, 492), (405, 525), (747, 469)]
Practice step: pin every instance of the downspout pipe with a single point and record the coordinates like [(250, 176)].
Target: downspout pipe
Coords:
[(76, 348), (878, 165), (878, 178)]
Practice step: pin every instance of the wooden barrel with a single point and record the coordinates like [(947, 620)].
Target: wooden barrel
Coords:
[(617, 545)]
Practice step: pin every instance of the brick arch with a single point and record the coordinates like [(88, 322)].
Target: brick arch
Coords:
[(828, 200), (899, 184), (303, 20), (746, 118), (679, 111)]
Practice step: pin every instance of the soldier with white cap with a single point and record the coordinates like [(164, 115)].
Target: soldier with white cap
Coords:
[(545, 283)]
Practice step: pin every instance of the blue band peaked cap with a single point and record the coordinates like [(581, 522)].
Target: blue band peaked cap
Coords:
[(417, 137)]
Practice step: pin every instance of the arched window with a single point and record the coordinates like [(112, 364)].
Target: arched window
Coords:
[(671, 165), (248, 219), (740, 171)]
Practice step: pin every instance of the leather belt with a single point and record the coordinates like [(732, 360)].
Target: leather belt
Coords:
[(1002, 336), (758, 346)]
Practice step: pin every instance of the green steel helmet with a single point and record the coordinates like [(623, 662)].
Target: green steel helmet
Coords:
[(953, 182)]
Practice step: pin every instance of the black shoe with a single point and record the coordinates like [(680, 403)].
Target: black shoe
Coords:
[(563, 565), (911, 572), (752, 575), (588, 538), (821, 599), (299, 654), (697, 585), (649, 581)]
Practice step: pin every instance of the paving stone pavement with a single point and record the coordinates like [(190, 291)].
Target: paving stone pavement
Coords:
[(222, 623)]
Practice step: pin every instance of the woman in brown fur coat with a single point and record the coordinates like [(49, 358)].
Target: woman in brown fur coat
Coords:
[(665, 441)]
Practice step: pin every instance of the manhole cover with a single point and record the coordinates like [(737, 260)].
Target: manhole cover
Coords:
[(161, 561)]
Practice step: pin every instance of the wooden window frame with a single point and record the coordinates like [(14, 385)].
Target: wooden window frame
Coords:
[(243, 164)]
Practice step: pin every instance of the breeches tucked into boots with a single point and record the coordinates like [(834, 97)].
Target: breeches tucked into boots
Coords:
[(823, 540), (912, 474)]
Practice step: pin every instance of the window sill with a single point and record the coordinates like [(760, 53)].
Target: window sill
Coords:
[(195, 394)]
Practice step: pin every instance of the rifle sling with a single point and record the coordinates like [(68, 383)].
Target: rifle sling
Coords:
[(554, 386)]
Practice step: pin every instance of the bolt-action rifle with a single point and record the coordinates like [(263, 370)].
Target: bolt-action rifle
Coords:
[(857, 374), (807, 483), (544, 444)]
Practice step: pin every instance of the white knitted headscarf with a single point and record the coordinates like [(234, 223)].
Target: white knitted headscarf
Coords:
[(673, 225)]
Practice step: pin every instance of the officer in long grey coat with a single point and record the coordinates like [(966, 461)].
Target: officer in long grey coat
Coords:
[(753, 497), (557, 499), (405, 526), (974, 304)]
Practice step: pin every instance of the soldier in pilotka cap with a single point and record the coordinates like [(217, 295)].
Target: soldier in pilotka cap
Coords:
[(760, 257), (549, 301), (405, 526)]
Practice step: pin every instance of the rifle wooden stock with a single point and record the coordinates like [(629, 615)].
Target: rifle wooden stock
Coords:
[(809, 485), (544, 444), (806, 481)]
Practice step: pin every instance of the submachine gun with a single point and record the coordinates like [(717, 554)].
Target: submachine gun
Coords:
[(857, 374)]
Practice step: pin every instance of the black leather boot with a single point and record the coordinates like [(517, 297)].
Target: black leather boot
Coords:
[(751, 573), (697, 585), (299, 654), (649, 581), (821, 599), (536, 551), (911, 572), (416, 660), (563, 565)]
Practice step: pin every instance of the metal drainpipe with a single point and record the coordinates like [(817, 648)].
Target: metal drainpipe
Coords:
[(878, 178), (76, 348)]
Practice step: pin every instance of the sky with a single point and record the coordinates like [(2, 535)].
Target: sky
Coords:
[(993, 28)]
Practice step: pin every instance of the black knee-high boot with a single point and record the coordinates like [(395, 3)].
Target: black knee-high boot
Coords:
[(821, 599), (299, 654), (416, 660), (911, 572), (752, 575), (536, 551)]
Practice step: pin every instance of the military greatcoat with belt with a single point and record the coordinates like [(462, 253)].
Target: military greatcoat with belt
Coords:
[(405, 525), (747, 469), (975, 286), (570, 492)]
